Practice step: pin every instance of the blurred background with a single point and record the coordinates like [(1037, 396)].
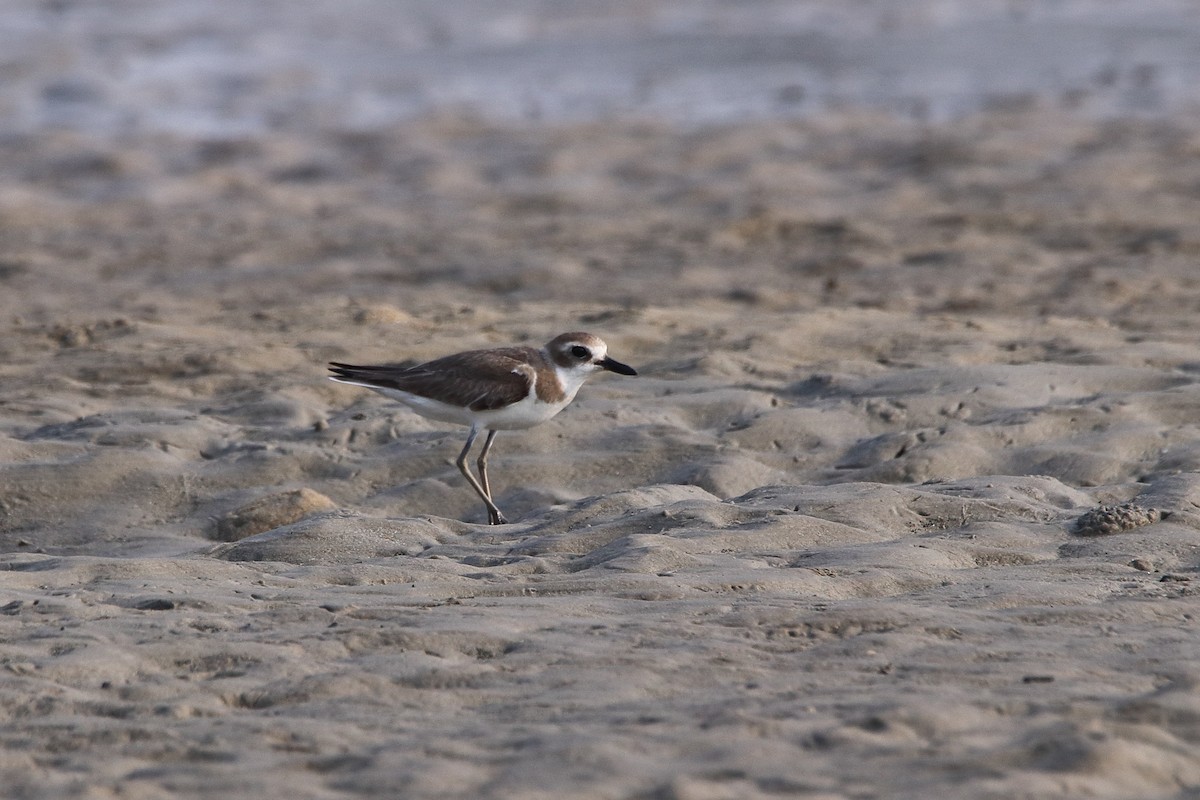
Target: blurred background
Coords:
[(226, 68), (933, 156)]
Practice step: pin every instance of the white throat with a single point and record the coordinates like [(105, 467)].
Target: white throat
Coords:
[(571, 378)]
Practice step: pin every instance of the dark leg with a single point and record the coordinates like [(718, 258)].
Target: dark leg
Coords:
[(497, 518), (494, 515)]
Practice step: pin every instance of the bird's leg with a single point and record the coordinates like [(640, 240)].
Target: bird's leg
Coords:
[(494, 515), (497, 518)]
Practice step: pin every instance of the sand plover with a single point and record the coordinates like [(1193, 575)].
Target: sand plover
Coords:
[(505, 388)]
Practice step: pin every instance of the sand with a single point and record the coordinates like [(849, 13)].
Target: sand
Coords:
[(904, 502)]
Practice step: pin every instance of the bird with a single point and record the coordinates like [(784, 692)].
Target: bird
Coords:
[(496, 389)]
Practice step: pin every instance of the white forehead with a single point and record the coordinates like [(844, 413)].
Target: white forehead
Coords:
[(566, 341), (593, 343)]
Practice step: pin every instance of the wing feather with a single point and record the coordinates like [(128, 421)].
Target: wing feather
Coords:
[(477, 379)]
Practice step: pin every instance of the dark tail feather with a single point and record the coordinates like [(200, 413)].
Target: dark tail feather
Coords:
[(345, 370), (355, 372), (383, 375)]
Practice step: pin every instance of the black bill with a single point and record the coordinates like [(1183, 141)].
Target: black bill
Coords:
[(612, 365)]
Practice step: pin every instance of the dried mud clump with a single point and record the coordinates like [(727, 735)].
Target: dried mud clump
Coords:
[(1105, 520), (270, 512)]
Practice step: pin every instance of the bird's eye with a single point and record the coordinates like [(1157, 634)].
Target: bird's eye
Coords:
[(581, 352)]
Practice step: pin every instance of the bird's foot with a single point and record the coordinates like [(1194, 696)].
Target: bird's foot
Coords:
[(496, 519)]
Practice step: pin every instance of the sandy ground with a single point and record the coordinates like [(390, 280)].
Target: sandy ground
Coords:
[(904, 502)]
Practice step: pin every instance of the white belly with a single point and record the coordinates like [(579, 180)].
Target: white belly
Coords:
[(524, 414)]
